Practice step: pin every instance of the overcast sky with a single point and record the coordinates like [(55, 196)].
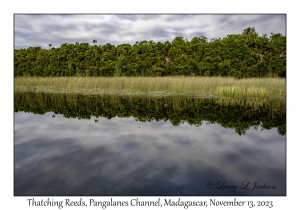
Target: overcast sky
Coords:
[(41, 30)]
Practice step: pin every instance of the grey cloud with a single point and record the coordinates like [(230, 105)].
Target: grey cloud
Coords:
[(198, 34), (262, 23), (158, 32), (128, 17), (172, 18), (39, 30), (149, 17)]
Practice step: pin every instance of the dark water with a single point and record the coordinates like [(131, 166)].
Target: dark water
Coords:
[(136, 146)]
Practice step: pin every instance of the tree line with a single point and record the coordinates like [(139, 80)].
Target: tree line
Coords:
[(239, 55)]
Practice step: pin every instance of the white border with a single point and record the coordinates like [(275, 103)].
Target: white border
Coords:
[(8, 201)]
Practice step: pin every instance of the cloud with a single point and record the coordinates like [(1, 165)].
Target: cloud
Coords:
[(40, 30)]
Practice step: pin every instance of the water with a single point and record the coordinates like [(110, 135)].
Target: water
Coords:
[(143, 147)]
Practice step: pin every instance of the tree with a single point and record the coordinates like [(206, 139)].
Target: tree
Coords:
[(239, 55)]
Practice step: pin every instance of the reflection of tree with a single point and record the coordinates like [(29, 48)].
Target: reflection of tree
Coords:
[(239, 116)]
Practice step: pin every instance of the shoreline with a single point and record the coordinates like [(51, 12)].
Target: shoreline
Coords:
[(202, 87)]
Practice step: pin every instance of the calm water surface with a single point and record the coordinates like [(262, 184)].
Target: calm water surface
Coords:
[(122, 156)]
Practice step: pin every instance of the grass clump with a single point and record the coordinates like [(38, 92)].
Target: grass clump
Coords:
[(244, 92)]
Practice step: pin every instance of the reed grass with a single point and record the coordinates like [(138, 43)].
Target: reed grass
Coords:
[(210, 87)]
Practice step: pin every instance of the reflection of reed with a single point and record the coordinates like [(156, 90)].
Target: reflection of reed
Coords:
[(230, 113)]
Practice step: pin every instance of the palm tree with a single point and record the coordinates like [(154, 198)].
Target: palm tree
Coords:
[(50, 45), (94, 41)]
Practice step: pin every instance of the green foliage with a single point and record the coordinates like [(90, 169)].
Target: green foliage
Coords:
[(238, 55)]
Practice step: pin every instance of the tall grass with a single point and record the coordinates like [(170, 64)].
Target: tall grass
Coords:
[(227, 87)]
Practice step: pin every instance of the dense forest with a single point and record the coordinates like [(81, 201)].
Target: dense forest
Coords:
[(194, 111), (238, 55)]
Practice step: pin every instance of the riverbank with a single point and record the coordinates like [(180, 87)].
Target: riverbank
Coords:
[(202, 87)]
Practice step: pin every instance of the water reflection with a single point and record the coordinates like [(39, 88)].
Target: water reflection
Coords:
[(237, 115), (122, 156), (134, 146)]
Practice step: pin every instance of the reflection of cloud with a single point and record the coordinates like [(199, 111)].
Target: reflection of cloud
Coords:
[(40, 30), (114, 157)]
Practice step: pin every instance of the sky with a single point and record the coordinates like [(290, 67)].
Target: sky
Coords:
[(56, 29)]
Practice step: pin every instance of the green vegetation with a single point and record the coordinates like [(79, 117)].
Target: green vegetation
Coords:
[(240, 115), (237, 55), (234, 81), (251, 88)]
